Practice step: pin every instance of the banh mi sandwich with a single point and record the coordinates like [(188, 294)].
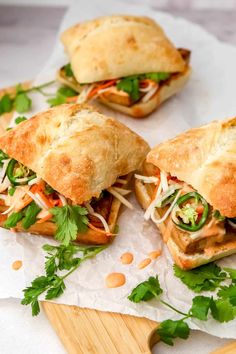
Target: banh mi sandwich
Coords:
[(188, 187), (67, 169), (125, 62)]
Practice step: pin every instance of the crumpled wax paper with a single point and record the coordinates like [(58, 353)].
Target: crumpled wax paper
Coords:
[(210, 94)]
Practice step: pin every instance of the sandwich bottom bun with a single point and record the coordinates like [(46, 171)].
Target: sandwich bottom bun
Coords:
[(183, 260), (139, 109), (166, 90), (91, 236)]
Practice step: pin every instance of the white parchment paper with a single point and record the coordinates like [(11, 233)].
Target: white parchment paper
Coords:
[(210, 94)]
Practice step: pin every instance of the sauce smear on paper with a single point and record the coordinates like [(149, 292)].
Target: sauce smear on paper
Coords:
[(126, 258), (154, 254), (115, 280), (16, 265), (144, 263)]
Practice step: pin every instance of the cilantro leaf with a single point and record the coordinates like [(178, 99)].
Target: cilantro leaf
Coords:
[(22, 102), (204, 278), (170, 330), (157, 76), (68, 70), (20, 119), (6, 104), (49, 189), (70, 220), (222, 310), (11, 191), (228, 292), (130, 85), (13, 219), (30, 214), (146, 290), (67, 91), (200, 307), (56, 289)]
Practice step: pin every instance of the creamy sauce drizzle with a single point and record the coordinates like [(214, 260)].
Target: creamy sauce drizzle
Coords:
[(126, 258), (115, 280), (16, 265), (154, 254), (144, 263)]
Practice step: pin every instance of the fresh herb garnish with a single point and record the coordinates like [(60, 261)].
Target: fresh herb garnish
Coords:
[(68, 70), (70, 220), (58, 258), (49, 189), (11, 191), (218, 215), (20, 119), (21, 102), (222, 308), (204, 278), (61, 96), (6, 104)]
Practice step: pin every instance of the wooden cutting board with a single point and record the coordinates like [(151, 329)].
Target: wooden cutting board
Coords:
[(87, 331)]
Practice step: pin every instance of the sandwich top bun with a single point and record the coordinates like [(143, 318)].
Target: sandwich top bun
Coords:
[(118, 46), (205, 158), (76, 150)]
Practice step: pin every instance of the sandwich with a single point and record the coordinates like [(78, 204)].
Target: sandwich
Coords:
[(65, 173), (124, 62), (187, 186)]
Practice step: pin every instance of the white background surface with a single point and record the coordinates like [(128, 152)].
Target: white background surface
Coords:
[(16, 319)]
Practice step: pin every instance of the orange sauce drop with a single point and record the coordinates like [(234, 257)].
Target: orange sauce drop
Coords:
[(126, 258), (154, 254), (144, 263), (115, 280), (16, 265)]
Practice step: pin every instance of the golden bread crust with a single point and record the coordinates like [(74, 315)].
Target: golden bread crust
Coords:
[(206, 160), (116, 46), (76, 150)]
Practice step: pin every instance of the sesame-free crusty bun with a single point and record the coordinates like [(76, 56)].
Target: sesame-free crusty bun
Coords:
[(117, 46), (76, 150), (142, 109), (206, 160)]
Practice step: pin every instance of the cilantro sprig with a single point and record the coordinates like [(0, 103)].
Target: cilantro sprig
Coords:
[(21, 101), (205, 278), (27, 216), (70, 220), (59, 258), (222, 308)]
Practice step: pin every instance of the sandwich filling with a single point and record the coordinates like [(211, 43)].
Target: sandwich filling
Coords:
[(184, 215), (26, 198), (125, 91)]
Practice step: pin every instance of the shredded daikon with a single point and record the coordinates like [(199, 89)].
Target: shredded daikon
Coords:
[(83, 96), (122, 191), (149, 94), (146, 89), (233, 225), (105, 90), (148, 212), (165, 216), (164, 181), (62, 199), (99, 216), (147, 179), (37, 200), (120, 197), (8, 210)]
